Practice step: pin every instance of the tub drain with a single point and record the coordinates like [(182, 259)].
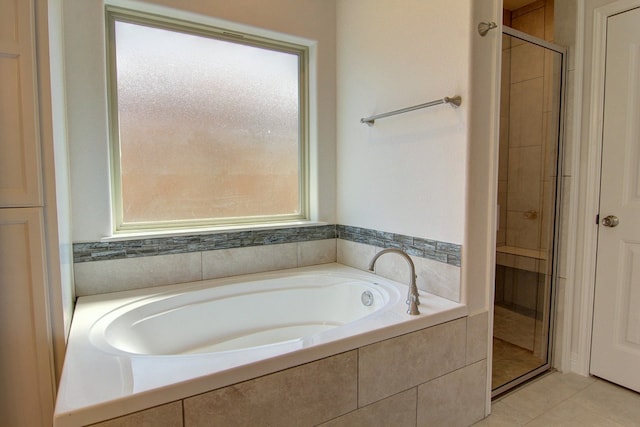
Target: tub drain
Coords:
[(367, 298)]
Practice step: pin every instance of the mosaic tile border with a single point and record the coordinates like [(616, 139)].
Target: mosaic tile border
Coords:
[(448, 253), (99, 251)]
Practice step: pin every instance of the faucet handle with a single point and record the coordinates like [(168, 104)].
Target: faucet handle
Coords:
[(413, 292), (413, 305), (412, 298)]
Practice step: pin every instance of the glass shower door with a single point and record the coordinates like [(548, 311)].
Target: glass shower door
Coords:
[(532, 81)]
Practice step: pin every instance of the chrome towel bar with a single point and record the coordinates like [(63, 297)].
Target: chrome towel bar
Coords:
[(454, 101)]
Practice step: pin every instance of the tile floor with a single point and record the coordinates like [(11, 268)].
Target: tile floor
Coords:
[(566, 400)]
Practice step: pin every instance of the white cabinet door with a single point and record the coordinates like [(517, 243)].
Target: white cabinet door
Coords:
[(19, 152), (26, 383), (615, 347)]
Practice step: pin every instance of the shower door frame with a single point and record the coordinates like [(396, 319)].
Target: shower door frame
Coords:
[(558, 203)]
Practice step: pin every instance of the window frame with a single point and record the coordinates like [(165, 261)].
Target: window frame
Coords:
[(119, 226)]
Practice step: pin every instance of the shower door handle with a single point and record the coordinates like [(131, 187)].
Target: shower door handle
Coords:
[(610, 221)]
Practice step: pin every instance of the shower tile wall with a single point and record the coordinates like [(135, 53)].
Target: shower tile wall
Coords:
[(527, 171), (527, 160)]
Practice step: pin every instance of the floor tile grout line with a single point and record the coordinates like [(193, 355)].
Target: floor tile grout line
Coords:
[(514, 414), (550, 408), (582, 405), (603, 415)]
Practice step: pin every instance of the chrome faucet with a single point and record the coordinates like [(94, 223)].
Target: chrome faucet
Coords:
[(412, 297)]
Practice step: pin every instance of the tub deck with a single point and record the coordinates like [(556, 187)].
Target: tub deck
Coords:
[(98, 385)]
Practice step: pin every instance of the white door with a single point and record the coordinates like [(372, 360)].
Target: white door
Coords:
[(615, 347)]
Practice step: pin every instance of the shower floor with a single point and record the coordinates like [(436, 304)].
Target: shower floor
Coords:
[(513, 327), (511, 362), (513, 346)]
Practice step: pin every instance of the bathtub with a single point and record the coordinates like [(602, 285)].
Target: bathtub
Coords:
[(132, 350)]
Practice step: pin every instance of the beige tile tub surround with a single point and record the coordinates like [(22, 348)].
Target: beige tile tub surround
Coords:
[(256, 259), (112, 269), (477, 337), (304, 395), (455, 399), (357, 255), (435, 277), (98, 277), (398, 410), (169, 415), (316, 252), (424, 381), (415, 360), (115, 275)]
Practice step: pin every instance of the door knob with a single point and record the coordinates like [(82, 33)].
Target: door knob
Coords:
[(610, 221)]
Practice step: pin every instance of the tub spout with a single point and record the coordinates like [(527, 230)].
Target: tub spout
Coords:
[(412, 297)]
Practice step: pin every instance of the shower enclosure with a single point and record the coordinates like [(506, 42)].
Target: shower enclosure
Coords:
[(528, 198)]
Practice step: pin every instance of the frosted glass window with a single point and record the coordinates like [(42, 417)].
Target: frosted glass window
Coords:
[(206, 129)]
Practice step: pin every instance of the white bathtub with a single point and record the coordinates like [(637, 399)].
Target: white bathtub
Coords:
[(136, 349)]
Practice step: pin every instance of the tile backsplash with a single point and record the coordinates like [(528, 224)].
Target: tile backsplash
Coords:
[(102, 267), (448, 253), (100, 251)]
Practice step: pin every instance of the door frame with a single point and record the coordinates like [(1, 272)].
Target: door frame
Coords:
[(586, 270)]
